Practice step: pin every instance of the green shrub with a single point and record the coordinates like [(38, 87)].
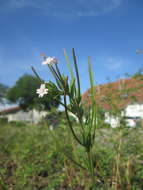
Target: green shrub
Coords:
[(33, 157), (17, 123), (3, 120)]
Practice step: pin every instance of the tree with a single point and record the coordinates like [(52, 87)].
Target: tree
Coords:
[(3, 91), (24, 94)]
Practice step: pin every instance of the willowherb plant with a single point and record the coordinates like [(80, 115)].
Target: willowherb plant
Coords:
[(69, 88)]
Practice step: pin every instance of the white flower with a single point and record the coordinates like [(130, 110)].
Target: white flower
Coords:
[(42, 90), (49, 61)]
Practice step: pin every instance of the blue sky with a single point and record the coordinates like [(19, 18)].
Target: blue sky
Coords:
[(109, 31)]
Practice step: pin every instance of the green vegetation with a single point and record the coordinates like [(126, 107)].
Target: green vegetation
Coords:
[(34, 157), (61, 154), (24, 94)]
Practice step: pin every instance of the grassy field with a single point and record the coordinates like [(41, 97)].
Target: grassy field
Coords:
[(33, 157)]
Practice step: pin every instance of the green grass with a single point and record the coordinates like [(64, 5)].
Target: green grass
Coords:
[(34, 158)]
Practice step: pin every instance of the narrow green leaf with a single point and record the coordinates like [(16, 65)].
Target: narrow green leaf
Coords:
[(58, 81), (91, 81), (93, 113), (35, 72), (77, 74), (68, 64)]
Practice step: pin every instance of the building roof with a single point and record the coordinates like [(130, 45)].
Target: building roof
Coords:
[(117, 94), (10, 110)]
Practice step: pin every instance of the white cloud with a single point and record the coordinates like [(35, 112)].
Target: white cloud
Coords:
[(64, 7), (112, 62), (99, 7)]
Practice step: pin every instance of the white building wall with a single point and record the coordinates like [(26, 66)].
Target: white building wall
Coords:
[(133, 111), (30, 116), (37, 116)]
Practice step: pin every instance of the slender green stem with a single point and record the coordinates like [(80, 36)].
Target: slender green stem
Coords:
[(57, 69), (54, 72), (58, 77), (69, 122), (91, 167), (80, 119), (58, 145)]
